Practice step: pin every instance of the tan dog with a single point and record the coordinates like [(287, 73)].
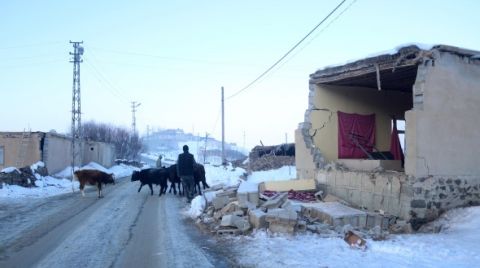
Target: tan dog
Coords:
[(355, 241)]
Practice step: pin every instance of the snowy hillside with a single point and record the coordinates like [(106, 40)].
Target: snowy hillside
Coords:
[(169, 143)]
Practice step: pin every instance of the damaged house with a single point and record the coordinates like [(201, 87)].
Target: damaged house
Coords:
[(20, 149), (350, 144)]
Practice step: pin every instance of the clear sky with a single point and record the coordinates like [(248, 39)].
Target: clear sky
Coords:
[(174, 56)]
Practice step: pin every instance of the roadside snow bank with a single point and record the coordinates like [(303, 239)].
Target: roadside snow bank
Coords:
[(281, 174), (219, 175), (46, 186), (60, 183)]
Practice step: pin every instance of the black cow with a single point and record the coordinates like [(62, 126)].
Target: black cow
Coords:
[(175, 182), (151, 176), (199, 176)]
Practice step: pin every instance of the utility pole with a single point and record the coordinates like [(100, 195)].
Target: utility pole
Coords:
[(198, 148), (205, 148), (244, 137), (134, 109), (224, 161), (285, 153), (76, 104)]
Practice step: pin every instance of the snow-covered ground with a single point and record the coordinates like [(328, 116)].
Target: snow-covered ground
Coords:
[(59, 183), (454, 246)]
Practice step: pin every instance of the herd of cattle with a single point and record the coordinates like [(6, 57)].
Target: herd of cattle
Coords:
[(149, 176)]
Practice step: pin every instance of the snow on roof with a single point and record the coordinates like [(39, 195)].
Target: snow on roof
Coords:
[(93, 165), (10, 170), (391, 57)]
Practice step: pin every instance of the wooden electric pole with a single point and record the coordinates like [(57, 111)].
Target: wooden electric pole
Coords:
[(224, 161)]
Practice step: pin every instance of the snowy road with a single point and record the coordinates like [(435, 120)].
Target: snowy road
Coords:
[(124, 229)]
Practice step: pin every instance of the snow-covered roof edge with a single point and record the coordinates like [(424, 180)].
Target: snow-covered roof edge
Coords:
[(392, 57)]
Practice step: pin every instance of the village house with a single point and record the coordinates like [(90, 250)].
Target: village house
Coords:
[(19, 149), (349, 141)]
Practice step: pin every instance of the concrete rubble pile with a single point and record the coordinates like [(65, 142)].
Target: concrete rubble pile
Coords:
[(241, 209)]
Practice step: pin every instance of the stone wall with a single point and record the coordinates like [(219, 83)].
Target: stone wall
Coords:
[(400, 195), (433, 195)]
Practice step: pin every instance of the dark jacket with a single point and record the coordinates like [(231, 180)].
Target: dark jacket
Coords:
[(185, 164)]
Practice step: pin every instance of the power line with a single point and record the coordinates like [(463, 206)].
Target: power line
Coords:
[(31, 45), (115, 88), (104, 83), (320, 32), (110, 87), (159, 56), (288, 52)]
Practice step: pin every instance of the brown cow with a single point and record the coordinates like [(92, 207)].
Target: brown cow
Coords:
[(93, 177)]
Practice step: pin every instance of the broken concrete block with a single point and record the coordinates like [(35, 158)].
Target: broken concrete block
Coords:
[(375, 219), (332, 198), (220, 201), (229, 231), (318, 228), (242, 198), (292, 205), (248, 192), (247, 206), (217, 215), (301, 226), (242, 224), (402, 226), (230, 207), (238, 213), (235, 221), (253, 198), (285, 216), (276, 201), (320, 195), (276, 227), (334, 213), (228, 220), (257, 218), (231, 193)]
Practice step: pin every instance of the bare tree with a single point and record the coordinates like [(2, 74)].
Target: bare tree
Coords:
[(127, 144)]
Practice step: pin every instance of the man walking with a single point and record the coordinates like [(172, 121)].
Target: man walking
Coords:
[(159, 161), (185, 166)]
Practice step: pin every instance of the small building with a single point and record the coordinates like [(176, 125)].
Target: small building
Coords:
[(349, 141), (19, 149)]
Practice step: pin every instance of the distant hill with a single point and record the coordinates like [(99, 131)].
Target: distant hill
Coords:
[(169, 143)]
